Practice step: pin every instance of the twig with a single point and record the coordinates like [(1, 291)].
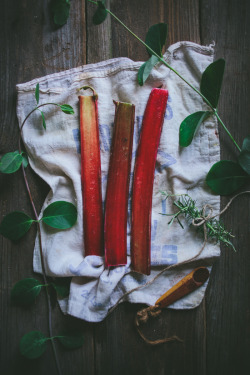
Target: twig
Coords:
[(40, 243)]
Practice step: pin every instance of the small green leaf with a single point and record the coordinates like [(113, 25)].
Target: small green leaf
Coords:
[(25, 291), (225, 177), (211, 81), (62, 286), (11, 162), (37, 93), (71, 340), (25, 159), (60, 215), (15, 225), (66, 108), (244, 157), (246, 144), (60, 10), (156, 38), (189, 126), (145, 69), (44, 123), (33, 344), (100, 14)]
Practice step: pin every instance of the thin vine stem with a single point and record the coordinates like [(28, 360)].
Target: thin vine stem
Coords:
[(214, 110), (161, 59), (226, 130), (40, 240)]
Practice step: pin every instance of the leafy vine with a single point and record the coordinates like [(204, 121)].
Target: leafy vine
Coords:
[(225, 176), (59, 215)]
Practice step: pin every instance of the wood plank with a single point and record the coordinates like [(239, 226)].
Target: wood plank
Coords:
[(228, 301), (118, 347), (99, 46), (217, 334), (182, 18), (32, 47)]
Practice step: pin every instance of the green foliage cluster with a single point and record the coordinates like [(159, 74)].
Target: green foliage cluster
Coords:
[(33, 344), (25, 292), (60, 215), (224, 177), (100, 14), (156, 38), (12, 161), (186, 206), (60, 11)]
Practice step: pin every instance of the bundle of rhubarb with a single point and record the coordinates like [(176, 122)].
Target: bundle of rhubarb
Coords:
[(110, 234)]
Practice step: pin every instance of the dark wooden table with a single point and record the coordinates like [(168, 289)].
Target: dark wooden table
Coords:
[(216, 334)]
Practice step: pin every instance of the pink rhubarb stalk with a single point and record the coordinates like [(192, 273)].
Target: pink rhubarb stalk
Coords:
[(91, 175), (115, 226), (143, 180)]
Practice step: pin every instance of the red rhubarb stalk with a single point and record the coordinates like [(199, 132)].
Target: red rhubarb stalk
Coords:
[(115, 226), (143, 180), (91, 175)]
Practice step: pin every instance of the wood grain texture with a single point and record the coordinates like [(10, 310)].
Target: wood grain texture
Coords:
[(181, 16), (31, 47), (99, 40), (118, 347), (228, 297), (217, 334)]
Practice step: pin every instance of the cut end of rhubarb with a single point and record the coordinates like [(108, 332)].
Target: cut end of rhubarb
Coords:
[(115, 263), (89, 88), (142, 270)]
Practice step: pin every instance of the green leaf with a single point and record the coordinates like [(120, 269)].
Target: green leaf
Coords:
[(62, 286), (33, 344), (189, 126), (71, 340), (60, 215), (60, 10), (25, 291), (225, 177), (211, 81), (44, 123), (11, 162), (25, 159), (15, 225), (244, 157), (66, 108), (246, 144), (100, 14), (145, 69), (37, 93), (156, 38)]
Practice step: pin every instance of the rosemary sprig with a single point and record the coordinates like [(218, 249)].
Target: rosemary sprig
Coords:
[(187, 206)]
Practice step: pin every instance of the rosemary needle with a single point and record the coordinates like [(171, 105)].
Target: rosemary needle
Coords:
[(187, 207)]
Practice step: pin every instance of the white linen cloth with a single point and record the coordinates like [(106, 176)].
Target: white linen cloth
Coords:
[(54, 155)]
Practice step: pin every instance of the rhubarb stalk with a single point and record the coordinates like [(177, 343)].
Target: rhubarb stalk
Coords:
[(91, 175), (143, 180), (115, 226)]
